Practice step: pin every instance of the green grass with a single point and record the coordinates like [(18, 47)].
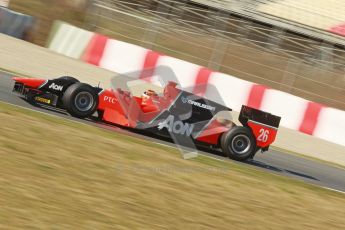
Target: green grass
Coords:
[(75, 176)]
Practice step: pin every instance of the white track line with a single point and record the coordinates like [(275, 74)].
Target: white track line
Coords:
[(214, 158), (165, 145), (205, 155), (334, 190)]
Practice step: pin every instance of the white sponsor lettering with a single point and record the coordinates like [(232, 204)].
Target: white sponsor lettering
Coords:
[(56, 87), (110, 99), (177, 127), (198, 104)]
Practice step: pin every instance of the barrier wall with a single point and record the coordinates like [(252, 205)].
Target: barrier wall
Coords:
[(121, 57), (15, 24)]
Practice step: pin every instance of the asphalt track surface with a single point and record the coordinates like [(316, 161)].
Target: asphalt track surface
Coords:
[(307, 170)]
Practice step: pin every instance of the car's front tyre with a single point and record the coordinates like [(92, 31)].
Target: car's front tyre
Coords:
[(80, 100)]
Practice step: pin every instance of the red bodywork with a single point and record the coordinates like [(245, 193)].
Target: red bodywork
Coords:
[(30, 82), (121, 108), (213, 132)]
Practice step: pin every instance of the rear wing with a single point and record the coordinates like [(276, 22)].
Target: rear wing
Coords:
[(263, 125), (248, 113)]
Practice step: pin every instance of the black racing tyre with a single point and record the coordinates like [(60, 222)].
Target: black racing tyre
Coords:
[(69, 78), (80, 100), (239, 143)]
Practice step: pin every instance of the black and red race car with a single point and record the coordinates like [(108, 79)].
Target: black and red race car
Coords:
[(175, 113)]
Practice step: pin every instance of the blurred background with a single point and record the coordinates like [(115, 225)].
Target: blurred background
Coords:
[(293, 46)]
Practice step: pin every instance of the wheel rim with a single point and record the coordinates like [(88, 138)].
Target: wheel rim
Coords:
[(84, 101), (240, 144)]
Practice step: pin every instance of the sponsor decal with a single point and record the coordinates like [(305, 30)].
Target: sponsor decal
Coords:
[(56, 87), (43, 100), (184, 100), (177, 127), (110, 99), (198, 104)]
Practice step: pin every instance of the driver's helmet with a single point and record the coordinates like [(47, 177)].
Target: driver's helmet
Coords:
[(147, 95)]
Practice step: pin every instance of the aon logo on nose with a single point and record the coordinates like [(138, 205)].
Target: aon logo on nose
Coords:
[(56, 87), (177, 127)]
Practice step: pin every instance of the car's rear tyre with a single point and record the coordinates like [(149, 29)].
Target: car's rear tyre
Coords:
[(80, 100), (239, 143)]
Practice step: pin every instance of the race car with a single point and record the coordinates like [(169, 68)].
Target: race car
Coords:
[(175, 113)]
